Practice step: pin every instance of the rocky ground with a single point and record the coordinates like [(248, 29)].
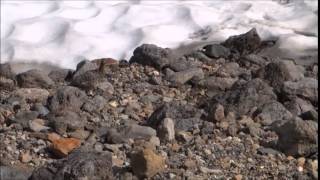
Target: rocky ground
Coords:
[(220, 112)]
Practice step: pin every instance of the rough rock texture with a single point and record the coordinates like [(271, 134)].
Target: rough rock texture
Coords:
[(78, 165), (298, 137), (34, 79), (306, 88), (244, 43), (67, 98), (146, 163), (152, 55)]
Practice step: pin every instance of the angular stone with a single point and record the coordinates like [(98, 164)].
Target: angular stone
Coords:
[(166, 130), (243, 98), (60, 75), (276, 73), (306, 87), (24, 117), (298, 137), (230, 70), (298, 106), (145, 163), (83, 67), (182, 77), (185, 117), (244, 43), (310, 115), (134, 131), (217, 83), (34, 79), (67, 98), (270, 112), (61, 147), (216, 113), (216, 51), (152, 55)]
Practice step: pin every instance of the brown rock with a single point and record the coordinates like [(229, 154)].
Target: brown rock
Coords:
[(238, 177), (53, 137), (61, 147), (216, 113), (146, 163), (25, 157)]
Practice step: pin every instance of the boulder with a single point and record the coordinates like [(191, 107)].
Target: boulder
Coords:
[(298, 137), (67, 98), (244, 43), (152, 55), (306, 88), (216, 51), (34, 79)]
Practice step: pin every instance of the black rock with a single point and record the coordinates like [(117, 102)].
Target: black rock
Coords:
[(79, 164), (85, 66), (67, 98), (244, 43), (33, 79), (216, 51), (152, 55), (183, 64)]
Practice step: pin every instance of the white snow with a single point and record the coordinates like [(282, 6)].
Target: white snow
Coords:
[(62, 33)]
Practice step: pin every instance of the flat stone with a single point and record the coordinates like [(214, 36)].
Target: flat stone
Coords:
[(34, 79), (63, 146)]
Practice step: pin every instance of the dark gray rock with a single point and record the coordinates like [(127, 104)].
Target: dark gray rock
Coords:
[(79, 164), (183, 64), (242, 98), (66, 121), (34, 78), (182, 77), (104, 88), (67, 98), (185, 117), (306, 87), (267, 151), (297, 106), (23, 118), (95, 105), (60, 75), (217, 83), (270, 112), (216, 51), (10, 173), (152, 55), (230, 70), (310, 115), (276, 73), (244, 43), (85, 66), (297, 137), (134, 131), (41, 109)]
